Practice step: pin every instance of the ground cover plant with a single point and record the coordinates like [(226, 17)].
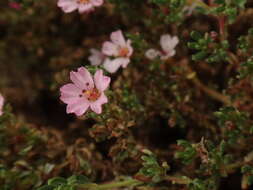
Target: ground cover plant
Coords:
[(126, 94)]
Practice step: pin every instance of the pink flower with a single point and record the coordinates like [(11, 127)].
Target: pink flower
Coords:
[(112, 65), (82, 5), (14, 5), (168, 45), (85, 91), (120, 49), (96, 57), (1, 104)]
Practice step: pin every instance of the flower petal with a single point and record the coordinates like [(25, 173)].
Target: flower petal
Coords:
[(130, 48), (101, 81), (70, 89), (82, 78), (168, 55), (124, 61), (110, 49), (168, 43), (174, 41), (112, 65), (1, 104), (85, 7), (69, 99), (152, 54), (97, 2), (118, 38), (96, 57), (67, 5), (97, 105), (70, 93), (79, 107), (61, 3)]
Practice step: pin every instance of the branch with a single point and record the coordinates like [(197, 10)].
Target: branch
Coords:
[(210, 92)]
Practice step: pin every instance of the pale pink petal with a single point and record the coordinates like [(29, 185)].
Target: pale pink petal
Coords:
[(171, 53), (70, 89), (97, 108), (70, 93), (165, 42), (79, 107), (85, 7), (97, 105), (118, 38), (164, 57), (110, 49), (124, 61), (168, 43), (1, 104), (67, 6), (152, 54), (168, 55), (101, 81), (112, 65), (97, 2), (174, 41), (69, 99), (96, 57), (130, 48), (82, 78), (61, 3)]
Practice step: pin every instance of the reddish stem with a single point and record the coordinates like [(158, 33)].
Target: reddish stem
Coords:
[(221, 20)]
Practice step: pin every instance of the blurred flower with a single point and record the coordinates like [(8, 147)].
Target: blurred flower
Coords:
[(112, 65), (168, 45), (85, 91), (152, 53), (14, 5), (1, 104), (118, 48), (96, 57), (82, 5)]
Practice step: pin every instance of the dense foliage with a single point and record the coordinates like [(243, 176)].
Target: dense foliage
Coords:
[(136, 94)]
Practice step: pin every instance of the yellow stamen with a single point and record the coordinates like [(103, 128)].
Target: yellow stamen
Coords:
[(123, 52), (92, 95), (83, 1)]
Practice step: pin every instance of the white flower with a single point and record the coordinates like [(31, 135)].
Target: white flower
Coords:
[(168, 44)]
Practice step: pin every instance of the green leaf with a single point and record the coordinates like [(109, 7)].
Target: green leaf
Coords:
[(196, 35), (77, 179), (246, 169), (199, 56), (57, 181)]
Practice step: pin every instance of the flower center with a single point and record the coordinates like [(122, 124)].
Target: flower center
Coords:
[(83, 1), (91, 95), (163, 52), (123, 52)]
